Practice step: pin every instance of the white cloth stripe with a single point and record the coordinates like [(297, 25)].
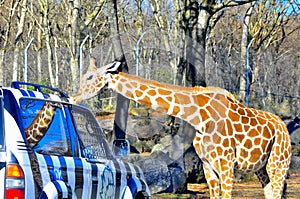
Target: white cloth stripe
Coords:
[(111, 165), (123, 178), (50, 191), (64, 188), (17, 94), (56, 162), (87, 180), (39, 95), (55, 97), (71, 174), (43, 169)]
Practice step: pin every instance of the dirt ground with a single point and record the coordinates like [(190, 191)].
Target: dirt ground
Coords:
[(246, 190)]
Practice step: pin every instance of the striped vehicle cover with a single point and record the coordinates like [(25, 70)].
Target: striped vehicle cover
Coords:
[(71, 177)]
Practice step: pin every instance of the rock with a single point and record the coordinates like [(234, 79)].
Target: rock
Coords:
[(178, 179), (173, 146), (160, 155), (161, 172), (193, 166), (156, 173), (295, 137), (295, 163), (295, 141), (145, 128)]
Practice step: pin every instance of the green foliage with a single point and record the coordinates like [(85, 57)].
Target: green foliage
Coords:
[(163, 76), (144, 146), (45, 82)]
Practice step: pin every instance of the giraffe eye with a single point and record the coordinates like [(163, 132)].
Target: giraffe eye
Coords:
[(90, 77)]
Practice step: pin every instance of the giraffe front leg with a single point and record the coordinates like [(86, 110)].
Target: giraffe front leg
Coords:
[(212, 181), (226, 181)]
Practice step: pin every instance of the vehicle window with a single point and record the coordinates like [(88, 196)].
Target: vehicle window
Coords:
[(45, 126), (92, 138)]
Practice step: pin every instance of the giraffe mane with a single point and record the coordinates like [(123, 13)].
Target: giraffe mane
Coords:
[(194, 90)]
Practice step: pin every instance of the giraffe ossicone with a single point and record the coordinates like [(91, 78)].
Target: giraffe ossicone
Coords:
[(228, 134)]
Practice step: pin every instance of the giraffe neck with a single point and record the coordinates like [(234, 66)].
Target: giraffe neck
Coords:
[(40, 124), (181, 102)]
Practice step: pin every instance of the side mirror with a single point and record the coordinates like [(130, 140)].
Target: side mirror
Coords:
[(121, 147)]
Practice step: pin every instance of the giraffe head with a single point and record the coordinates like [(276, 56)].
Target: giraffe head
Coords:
[(94, 80)]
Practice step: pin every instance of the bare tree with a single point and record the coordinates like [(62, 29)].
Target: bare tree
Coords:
[(7, 17), (45, 8), (74, 36), (267, 28), (18, 38), (245, 85), (200, 17)]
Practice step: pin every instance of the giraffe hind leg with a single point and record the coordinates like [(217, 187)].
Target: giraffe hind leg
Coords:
[(264, 179), (277, 172)]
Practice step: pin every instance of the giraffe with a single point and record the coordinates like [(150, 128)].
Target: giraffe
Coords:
[(40, 124), (228, 134)]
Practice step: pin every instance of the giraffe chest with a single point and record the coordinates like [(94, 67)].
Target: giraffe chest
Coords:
[(214, 145)]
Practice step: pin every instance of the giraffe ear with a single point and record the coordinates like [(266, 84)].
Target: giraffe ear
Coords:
[(112, 68), (93, 65)]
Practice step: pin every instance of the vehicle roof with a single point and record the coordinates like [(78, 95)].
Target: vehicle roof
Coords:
[(36, 91)]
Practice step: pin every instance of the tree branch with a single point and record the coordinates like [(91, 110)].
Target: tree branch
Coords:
[(230, 3)]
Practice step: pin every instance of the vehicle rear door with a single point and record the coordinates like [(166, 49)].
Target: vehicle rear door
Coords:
[(95, 155), (52, 162)]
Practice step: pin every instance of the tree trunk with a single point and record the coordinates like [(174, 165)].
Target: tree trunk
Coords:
[(2, 54), (18, 40), (56, 59), (39, 55), (16, 64), (120, 122), (196, 23), (46, 28), (244, 45), (74, 42)]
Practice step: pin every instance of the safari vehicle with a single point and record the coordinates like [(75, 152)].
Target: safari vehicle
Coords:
[(50, 148)]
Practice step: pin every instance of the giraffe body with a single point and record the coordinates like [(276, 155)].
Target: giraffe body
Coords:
[(228, 134)]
